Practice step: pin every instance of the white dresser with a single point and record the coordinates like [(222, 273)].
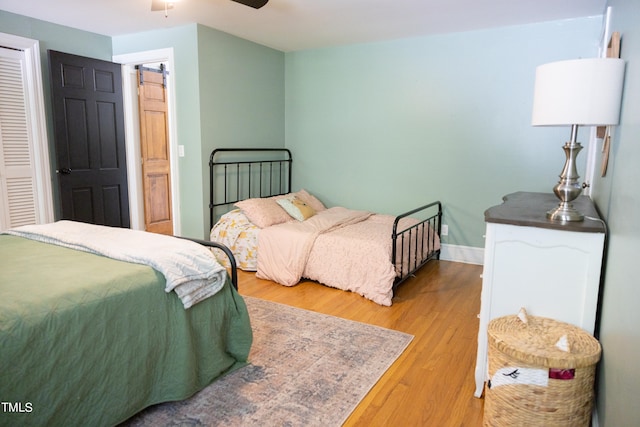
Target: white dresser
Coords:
[(550, 269)]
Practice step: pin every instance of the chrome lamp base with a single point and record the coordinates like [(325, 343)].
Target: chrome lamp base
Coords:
[(565, 212), (568, 188)]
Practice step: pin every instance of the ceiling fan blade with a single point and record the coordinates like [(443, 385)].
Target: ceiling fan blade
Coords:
[(160, 5), (256, 4)]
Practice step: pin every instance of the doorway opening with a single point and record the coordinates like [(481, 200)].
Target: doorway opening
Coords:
[(132, 130)]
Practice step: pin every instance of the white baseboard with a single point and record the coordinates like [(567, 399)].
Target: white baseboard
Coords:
[(465, 254)]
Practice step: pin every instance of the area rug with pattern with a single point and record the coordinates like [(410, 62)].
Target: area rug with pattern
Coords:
[(305, 369)]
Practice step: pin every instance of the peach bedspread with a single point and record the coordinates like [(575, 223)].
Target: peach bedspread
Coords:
[(338, 247)]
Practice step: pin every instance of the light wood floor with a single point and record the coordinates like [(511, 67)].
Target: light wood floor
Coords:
[(432, 382)]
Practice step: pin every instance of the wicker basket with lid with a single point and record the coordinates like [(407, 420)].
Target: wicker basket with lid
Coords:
[(541, 373)]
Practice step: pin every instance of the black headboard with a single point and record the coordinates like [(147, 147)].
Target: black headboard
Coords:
[(241, 173)]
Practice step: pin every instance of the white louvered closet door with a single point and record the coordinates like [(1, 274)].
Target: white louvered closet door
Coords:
[(18, 193)]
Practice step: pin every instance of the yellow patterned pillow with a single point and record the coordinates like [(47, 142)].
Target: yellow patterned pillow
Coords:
[(296, 208)]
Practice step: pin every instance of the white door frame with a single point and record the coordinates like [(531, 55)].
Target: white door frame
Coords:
[(132, 132)]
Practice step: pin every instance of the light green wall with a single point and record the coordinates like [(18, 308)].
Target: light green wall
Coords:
[(381, 126), (242, 97), (387, 126), (229, 92), (618, 197), (242, 87)]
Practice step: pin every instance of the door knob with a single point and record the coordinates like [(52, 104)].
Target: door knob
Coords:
[(64, 171)]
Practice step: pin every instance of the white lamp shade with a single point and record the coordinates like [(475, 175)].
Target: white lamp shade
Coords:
[(578, 92)]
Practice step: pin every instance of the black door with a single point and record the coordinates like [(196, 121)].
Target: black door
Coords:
[(89, 138)]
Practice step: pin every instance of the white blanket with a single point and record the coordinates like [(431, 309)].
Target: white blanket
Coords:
[(190, 269)]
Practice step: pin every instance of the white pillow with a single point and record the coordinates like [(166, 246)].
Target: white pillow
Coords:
[(296, 208)]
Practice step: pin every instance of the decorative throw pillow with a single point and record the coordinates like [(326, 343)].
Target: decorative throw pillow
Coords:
[(297, 208), (263, 212), (310, 200)]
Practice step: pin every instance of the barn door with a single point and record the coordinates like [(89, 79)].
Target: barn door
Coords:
[(155, 150), (89, 138)]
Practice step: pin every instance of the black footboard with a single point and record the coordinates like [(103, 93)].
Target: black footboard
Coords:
[(227, 252), (415, 244)]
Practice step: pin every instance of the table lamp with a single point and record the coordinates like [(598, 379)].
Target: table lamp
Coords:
[(579, 92)]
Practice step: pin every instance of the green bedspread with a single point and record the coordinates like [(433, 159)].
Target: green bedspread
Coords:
[(87, 340)]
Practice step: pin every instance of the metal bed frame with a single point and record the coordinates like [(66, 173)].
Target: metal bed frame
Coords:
[(242, 173), (417, 246), (268, 175)]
